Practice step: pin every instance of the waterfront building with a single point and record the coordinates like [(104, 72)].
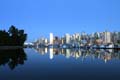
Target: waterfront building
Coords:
[(80, 40), (67, 37), (63, 41), (107, 37), (119, 38), (41, 41), (116, 37), (51, 38), (56, 40), (46, 41)]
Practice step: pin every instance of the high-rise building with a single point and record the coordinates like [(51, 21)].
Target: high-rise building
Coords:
[(41, 40), (107, 37), (119, 37), (46, 41), (62, 40), (77, 36), (56, 40), (116, 37), (67, 36), (51, 38)]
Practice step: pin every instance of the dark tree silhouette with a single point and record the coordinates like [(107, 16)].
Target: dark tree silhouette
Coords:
[(12, 37)]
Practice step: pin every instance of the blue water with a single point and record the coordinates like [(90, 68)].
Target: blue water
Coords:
[(49, 64)]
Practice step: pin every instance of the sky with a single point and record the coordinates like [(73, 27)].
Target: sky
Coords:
[(40, 17)]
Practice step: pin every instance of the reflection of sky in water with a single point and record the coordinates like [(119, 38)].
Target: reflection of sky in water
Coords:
[(65, 64)]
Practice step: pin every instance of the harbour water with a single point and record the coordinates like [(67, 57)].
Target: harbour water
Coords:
[(63, 64)]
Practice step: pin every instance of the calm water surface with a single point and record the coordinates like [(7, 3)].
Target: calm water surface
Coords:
[(49, 64)]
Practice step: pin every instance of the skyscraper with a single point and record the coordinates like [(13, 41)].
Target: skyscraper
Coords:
[(67, 36), (107, 37), (51, 38)]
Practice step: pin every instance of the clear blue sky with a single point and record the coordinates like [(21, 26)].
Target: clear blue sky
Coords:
[(40, 17)]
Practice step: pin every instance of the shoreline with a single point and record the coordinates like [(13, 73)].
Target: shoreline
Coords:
[(81, 47), (21, 47), (11, 47)]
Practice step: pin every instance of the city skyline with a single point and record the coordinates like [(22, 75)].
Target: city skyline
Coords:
[(98, 40)]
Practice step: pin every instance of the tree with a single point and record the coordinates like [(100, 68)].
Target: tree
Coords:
[(12, 37), (13, 31)]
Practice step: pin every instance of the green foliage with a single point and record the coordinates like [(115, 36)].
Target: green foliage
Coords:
[(12, 37)]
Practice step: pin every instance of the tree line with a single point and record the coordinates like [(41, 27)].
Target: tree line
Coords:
[(12, 37)]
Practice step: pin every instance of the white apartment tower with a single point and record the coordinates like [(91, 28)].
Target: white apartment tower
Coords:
[(51, 38), (67, 36)]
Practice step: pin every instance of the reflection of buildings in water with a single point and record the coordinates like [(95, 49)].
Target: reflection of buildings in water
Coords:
[(62, 51), (42, 50), (85, 54), (46, 50), (51, 53), (76, 55), (105, 55), (56, 51), (67, 53), (110, 50)]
